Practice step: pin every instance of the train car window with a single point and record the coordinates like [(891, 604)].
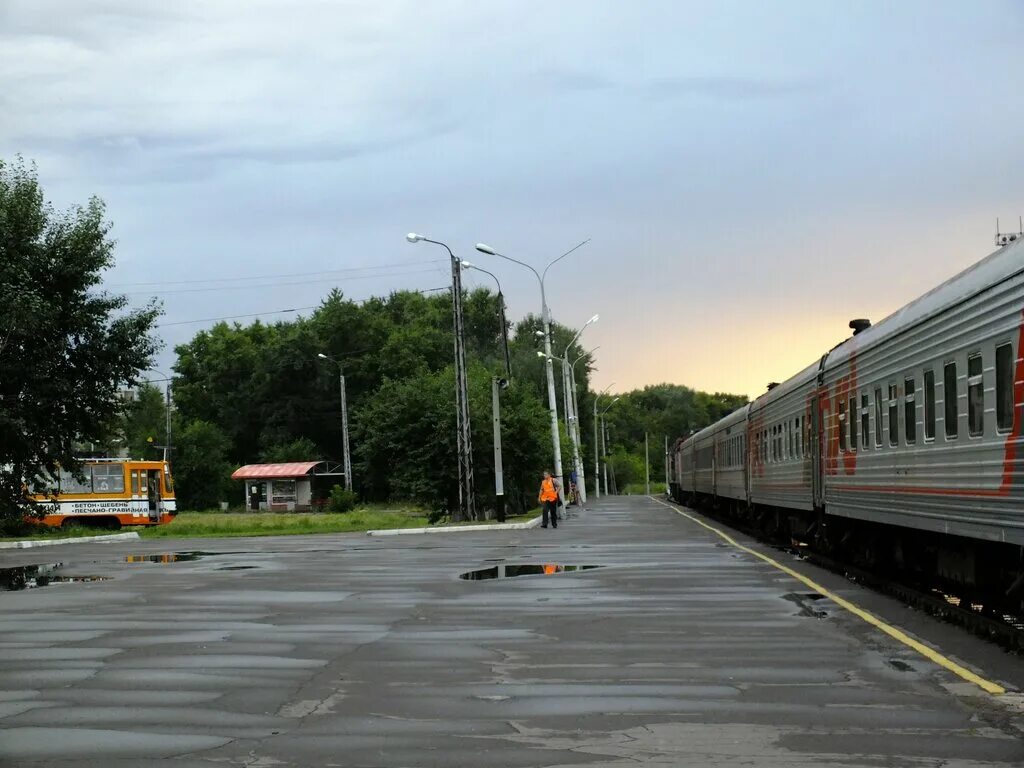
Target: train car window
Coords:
[(910, 411), (975, 397), (1004, 387), (798, 439), (853, 422), (878, 417), (929, 405), (70, 484), (841, 421), (894, 416), (949, 400), (108, 478), (865, 412)]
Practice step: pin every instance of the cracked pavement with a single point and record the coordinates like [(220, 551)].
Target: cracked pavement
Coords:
[(355, 651)]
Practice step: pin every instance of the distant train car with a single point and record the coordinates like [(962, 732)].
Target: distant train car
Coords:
[(112, 493), (731, 457), (903, 443)]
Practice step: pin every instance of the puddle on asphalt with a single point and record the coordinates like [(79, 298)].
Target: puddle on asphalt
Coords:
[(511, 571), (169, 557), (803, 600), (41, 575)]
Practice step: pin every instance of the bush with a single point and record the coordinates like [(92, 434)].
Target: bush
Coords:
[(342, 500)]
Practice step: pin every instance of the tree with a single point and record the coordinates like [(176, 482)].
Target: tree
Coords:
[(301, 449), (202, 471), (145, 423), (66, 346)]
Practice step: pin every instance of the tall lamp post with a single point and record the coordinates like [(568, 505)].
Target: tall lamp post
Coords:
[(549, 365), (604, 442), (467, 498), (497, 385), (573, 423), (346, 456), (598, 452)]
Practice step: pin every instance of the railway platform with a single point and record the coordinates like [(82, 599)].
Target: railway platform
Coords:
[(633, 634)]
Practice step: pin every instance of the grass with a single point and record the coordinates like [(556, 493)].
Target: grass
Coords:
[(363, 518), (214, 523), (639, 489), (209, 524)]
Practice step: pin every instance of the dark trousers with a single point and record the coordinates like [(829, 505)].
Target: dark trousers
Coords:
[(550, 508)]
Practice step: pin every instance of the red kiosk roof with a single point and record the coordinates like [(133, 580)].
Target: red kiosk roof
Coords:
[(273, 471)]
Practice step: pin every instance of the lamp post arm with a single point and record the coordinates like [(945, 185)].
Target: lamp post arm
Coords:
[(438, 242), (552, 263)]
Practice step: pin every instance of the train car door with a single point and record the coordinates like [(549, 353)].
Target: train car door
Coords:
[(153, 494), (817, 441)]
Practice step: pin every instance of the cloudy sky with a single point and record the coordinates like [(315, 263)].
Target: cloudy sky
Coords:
[(751, 175)]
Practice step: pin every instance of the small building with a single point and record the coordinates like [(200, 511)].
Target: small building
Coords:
[(291, 487)]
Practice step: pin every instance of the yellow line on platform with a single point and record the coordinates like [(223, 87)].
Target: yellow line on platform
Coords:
[(893, 632)]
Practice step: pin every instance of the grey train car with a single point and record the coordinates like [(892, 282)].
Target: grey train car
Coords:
[(901, 446)]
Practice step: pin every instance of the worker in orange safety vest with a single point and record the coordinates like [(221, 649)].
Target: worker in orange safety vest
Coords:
[(548, 497)]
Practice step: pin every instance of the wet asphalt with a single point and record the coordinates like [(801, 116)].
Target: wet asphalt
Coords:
[(348, 650)]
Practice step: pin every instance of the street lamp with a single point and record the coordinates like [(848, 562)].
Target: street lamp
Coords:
[(573, 421), (501, 312), (346, 457), (598, 451), (467, 498), (578, 421), (604, 441), (549, 366)]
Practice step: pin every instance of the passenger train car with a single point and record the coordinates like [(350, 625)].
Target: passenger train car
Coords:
[(111, 493), (902, 444)]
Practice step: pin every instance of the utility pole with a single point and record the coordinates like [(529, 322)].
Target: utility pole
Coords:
[(499, 480), (346, 456), (167, 446), (467, 497), (666, 464), (598, 453), (604, 452), (647, 467)]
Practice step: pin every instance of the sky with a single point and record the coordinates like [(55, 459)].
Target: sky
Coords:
[(750, 175)]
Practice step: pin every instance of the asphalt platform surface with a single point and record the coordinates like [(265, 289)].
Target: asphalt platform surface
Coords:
[(347, 650)]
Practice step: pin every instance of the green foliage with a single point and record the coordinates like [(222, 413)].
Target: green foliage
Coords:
[(202, 470), (66, 347), (660, 411), (145, 423), (628, 467), (300, 449), (342, 500)]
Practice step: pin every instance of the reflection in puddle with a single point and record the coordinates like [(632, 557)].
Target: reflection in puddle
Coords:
[(510, 571), (170, 557), (33, 576)]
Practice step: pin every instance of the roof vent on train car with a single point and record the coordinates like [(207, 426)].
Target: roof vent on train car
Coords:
[(1005, 238), (772, 385), (860, 324)]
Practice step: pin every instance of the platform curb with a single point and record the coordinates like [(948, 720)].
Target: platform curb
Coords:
[(131, 536), (458, 528)]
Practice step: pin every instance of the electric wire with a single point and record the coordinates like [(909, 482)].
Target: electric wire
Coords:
[(237, 278)]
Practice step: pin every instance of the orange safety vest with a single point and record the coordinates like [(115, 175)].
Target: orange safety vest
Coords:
[(547, 490)]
